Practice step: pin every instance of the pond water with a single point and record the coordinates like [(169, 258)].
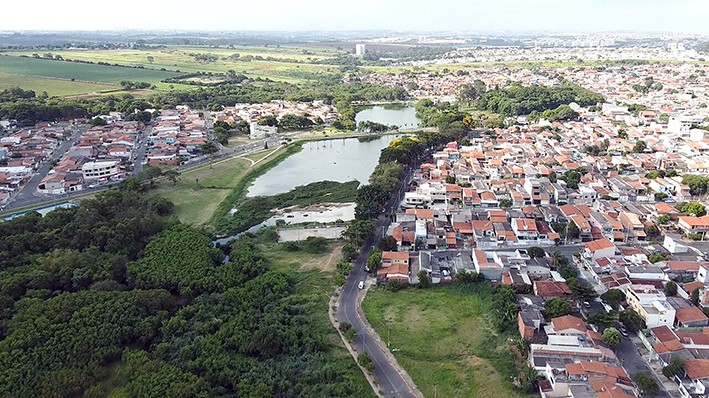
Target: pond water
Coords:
[(329, 160), (394, 114)]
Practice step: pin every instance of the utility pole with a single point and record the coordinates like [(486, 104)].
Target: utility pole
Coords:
[(388, 335)]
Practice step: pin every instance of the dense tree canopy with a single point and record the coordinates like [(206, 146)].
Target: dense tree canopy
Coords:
[(117, 297), (521, 100)]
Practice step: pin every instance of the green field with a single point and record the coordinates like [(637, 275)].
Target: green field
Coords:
[(53, 87), (78, 71), (442, 338), (293, 65), (198, 192)]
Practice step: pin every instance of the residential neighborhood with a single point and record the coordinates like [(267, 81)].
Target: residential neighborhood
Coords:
[(488, 206)]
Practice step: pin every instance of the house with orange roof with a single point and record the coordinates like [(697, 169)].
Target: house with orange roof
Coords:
[(567, 325), (682, 270), (696, 371), (486, 264), (587, 379), (694, 226), (394, 266), (525, 229), (599, 248), (551, 289), (690, 316)]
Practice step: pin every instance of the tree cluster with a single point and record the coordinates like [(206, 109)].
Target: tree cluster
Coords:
[(117, 296), (522, 100)]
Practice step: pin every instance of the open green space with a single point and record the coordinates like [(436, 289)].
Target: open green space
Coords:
[(79, 71), (53, 86), (287, 64), (199, 191), (443, 339)]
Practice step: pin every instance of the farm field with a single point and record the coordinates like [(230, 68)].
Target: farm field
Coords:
[(183, 60), (53, 87), (442, 339), (78, 71)]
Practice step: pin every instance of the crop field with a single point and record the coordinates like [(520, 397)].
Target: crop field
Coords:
[(53, 87), (289, 64), (78, 71)]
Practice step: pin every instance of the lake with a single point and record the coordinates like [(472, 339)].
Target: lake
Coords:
[(394, 114), (329, 160)]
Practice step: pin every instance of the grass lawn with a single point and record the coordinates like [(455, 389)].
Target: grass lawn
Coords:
[(199, 191), (444, 341), (256, 156)]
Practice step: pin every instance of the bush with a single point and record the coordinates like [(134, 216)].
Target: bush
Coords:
[(535, 252), (464, 276), (366, 362), (395, 285), (675, 368), (646, 384), (345, 327), (315, 245), (556, 307)]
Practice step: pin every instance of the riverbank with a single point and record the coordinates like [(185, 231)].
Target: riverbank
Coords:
[(199, 191), (220, 217), (251, 211)]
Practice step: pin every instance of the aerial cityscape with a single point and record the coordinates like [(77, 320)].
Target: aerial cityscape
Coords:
[(394, 200)]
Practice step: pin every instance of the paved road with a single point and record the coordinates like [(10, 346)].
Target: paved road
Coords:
[(392, 383), (141, 149), (26, 195)]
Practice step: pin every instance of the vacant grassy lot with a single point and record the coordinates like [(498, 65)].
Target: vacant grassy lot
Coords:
[(78, 71), (198, 192), (442, 338)]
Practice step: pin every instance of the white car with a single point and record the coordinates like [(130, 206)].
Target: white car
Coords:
[(361, 284)]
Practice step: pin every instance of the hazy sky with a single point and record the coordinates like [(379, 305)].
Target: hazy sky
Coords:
[(474, 15)]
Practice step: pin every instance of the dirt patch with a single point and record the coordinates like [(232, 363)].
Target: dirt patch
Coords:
[(265, 67), (325, 264), (414, 317)]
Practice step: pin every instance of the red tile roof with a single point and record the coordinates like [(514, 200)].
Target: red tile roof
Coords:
[(599, 244), (697, 368), (392, 256), (568, 322), (548, 289), (691, 314)]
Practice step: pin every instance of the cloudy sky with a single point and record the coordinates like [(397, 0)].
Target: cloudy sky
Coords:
[(470, 15)]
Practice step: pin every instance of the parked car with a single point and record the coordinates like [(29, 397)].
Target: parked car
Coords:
[(361, 284), (587, 304)]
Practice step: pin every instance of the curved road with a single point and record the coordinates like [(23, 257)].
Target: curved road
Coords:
[(392, 383)]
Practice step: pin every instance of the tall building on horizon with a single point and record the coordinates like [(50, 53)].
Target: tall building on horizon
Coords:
[(360, 49)]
